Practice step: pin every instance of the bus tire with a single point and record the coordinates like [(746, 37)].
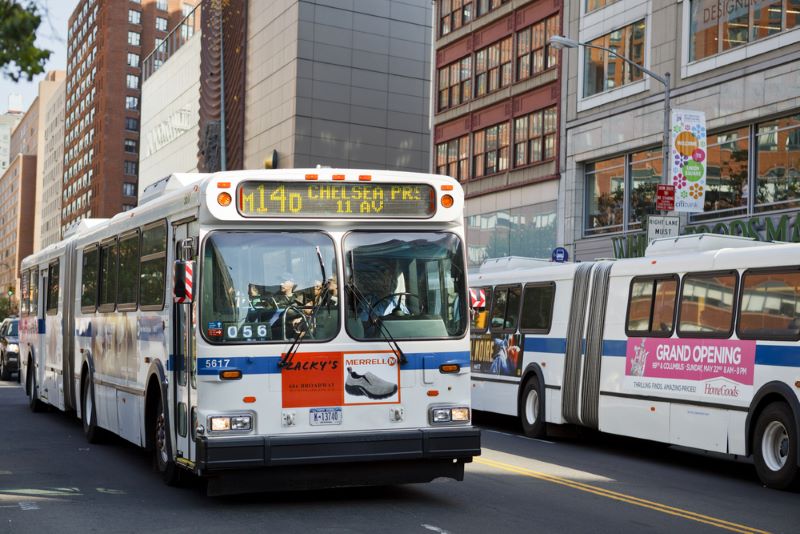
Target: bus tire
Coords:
[(165, 465), (33, 398), (775, 447), (531, 409), (89, 413)]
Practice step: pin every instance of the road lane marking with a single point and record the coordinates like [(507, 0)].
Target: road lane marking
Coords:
[(434, 528), (636, 501)]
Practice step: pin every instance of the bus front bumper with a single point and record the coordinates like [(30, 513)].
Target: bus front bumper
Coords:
[(220, 454)]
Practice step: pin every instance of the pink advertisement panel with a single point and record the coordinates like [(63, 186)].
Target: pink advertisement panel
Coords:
[(691, 359)]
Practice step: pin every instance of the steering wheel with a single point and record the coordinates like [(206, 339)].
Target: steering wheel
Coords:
[(370, 313), (306, 326)]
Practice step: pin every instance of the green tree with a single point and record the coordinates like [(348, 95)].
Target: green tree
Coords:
[(19, 56)]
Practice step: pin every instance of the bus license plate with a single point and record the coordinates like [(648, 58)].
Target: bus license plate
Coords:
[(325, 416)]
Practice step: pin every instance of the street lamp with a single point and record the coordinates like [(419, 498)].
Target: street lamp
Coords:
[(559, 41)]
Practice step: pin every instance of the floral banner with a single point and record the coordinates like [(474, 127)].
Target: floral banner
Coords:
[(688, 144)]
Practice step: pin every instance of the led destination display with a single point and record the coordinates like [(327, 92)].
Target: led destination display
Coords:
[(345, 199)]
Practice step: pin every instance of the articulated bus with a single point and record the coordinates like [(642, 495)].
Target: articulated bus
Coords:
[(279, 329), (695, 344)]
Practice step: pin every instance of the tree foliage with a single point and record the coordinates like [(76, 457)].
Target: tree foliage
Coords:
[(19, 56)]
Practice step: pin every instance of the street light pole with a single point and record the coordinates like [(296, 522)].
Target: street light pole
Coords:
[(559, 41)]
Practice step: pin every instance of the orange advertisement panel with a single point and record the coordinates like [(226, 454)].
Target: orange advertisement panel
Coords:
[(313, 379)]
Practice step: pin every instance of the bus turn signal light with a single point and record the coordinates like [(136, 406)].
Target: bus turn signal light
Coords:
[(230, 374), (223, 185), (449, 368), (249, 400), (224, 199), (447, 201)]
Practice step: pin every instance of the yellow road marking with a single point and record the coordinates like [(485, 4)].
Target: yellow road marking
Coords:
[(636, 501)]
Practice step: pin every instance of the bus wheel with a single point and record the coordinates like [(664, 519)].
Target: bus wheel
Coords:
[(775, 447), (531, 413), (88, 413), (33, 399), (164, 463)]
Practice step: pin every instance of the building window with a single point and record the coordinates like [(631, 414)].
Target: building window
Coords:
[(133, 38), (605, 196), (778, 165), (133, 81), (133, 60), (493, 67), (491, 150), (131, 124), (726, 175), (131, 146), (127, 207), (645, 171), (591, 5), (521, 231), (714, 30), (130, 168), (453, 14), (452, 158), (485, 6), (604, 72), (535, 136), (131, 102), (534, 53), (134, 17), (161, 4), (129, 189), (161, 24), (455, 83)]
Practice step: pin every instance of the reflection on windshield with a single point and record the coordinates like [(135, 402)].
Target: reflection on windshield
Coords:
[(410, 284), (268, 286)]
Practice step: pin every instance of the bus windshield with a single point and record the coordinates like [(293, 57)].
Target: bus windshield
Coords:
[(405, 285), (268, 286)]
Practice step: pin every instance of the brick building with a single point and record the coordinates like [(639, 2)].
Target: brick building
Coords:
[(496, 120), (106, 44)]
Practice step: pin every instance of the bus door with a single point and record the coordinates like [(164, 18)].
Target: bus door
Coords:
[(184, 243), (584, 355)]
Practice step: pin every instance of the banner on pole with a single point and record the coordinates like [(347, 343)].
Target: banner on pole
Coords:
[(688, 146)]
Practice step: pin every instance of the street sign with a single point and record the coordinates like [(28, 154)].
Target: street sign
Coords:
[(560, 255), (662, 226), (665, 197)]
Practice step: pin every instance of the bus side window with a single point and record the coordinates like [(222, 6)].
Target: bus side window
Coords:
[(25, 297), (505, 312), (52, 288), (537, 308), (651, 306), (706, 308), (33, 291), (770, 305)]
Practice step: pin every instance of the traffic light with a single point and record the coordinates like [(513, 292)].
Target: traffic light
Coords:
[(10, 291)]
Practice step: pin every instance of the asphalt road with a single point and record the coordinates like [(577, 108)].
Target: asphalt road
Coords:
[(51, 480)]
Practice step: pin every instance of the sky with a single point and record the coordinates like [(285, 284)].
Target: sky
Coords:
[(52, 35)]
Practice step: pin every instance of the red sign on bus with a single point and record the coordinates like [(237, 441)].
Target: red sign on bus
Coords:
[(665, 197)]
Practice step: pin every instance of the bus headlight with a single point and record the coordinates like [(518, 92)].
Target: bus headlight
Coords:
[(455, 414), (228, 423)]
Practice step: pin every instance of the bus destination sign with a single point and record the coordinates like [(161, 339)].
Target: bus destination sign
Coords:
[(336, 199)]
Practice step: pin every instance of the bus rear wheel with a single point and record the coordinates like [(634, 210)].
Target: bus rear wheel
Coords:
[(531, 409), (88, 413), (33, 398), (775, 447), (163, 462)]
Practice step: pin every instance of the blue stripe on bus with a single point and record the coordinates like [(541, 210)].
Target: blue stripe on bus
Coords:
[(546, 344), (783, 355), (264, 365), (615, 348)]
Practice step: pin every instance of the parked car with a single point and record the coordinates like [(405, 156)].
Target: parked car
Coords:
[(9, 348)]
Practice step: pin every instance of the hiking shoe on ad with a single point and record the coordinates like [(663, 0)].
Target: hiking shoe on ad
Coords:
[(368, 385)]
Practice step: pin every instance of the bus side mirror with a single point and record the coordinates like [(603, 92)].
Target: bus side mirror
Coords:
[(182, 281)]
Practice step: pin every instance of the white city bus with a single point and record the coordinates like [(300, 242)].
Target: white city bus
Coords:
[(265, 329), (695, 344)]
